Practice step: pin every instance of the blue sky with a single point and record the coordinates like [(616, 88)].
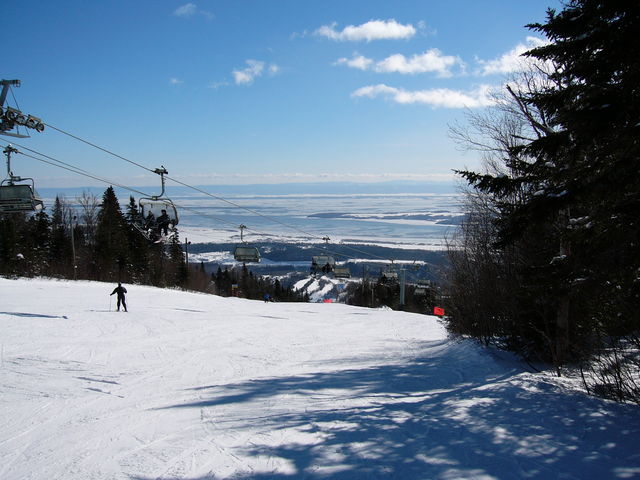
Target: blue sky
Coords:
[(257, 91)]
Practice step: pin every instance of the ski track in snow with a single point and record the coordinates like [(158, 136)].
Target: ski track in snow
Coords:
[(193, 386)]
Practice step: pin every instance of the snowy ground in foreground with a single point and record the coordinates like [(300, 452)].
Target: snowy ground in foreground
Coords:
[(190, 386)]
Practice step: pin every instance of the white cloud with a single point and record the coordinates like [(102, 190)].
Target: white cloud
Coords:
[(430, 61), (247, 75), (358, 61), (217, 85), (191, 9), (372, 30), (437, 97), (186, 10), (512, 61), (254, 69), (175, 81), (274, 69)]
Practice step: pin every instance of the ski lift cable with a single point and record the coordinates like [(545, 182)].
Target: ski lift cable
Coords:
[(100, 148), (256, 232), (270, 218), (78, 171), (205, 192), (82, 173), (183, 183), (73, 169), (173, 179), (241, 206)]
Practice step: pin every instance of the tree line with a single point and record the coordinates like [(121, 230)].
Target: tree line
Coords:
[(96, 240), (547, 262)]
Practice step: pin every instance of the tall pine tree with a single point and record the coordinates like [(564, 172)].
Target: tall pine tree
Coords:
[(111, 243), (574, 224)]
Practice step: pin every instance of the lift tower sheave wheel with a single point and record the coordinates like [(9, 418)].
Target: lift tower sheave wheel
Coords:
[(11, 117)]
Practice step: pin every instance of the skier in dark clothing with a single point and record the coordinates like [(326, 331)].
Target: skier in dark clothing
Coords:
[(163, 223), (120, 290)]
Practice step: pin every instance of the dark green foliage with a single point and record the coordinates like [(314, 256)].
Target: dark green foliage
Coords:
[(556, 268), (112, 252), (12, 236), (108, 248)]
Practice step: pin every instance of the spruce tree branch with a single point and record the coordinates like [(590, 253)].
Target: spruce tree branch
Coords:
[(537, 126)]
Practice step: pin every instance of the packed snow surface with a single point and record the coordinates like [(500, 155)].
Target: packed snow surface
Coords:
[(193, 386)]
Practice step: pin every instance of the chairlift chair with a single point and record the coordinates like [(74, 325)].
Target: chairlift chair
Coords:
[(390, 274), (342, 272), (18, 197), (151, 208), (246, 253), (322, 263)]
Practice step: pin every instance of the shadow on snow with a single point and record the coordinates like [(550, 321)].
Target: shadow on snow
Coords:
[(454, 415)]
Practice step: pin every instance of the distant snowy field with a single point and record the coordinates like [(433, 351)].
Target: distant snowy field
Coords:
[(193, 386)]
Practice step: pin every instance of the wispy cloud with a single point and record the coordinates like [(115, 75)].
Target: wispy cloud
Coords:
[(512, 61), (253, 70), (357, 61), (431, 61), (175, 81), (436, 98), (189, 10), (217, 85), (372, 30)]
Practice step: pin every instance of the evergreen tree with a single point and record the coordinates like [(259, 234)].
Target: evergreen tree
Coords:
[(59, 247), (11, 236), (177, 268), (37, 242), (566, 211), (111, 249), (133, 214)]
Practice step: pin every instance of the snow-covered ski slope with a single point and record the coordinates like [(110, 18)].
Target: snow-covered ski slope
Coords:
[(192, 386)]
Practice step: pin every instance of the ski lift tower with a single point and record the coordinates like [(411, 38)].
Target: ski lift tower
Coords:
[(11, 117)]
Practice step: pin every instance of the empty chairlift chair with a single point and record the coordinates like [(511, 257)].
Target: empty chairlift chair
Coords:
[(244, 252), (341, 272), (17, 197)]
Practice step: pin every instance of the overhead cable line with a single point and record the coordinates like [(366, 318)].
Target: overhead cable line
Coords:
[(275, 220), (73, 169), (79, 171), (100, 148)]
